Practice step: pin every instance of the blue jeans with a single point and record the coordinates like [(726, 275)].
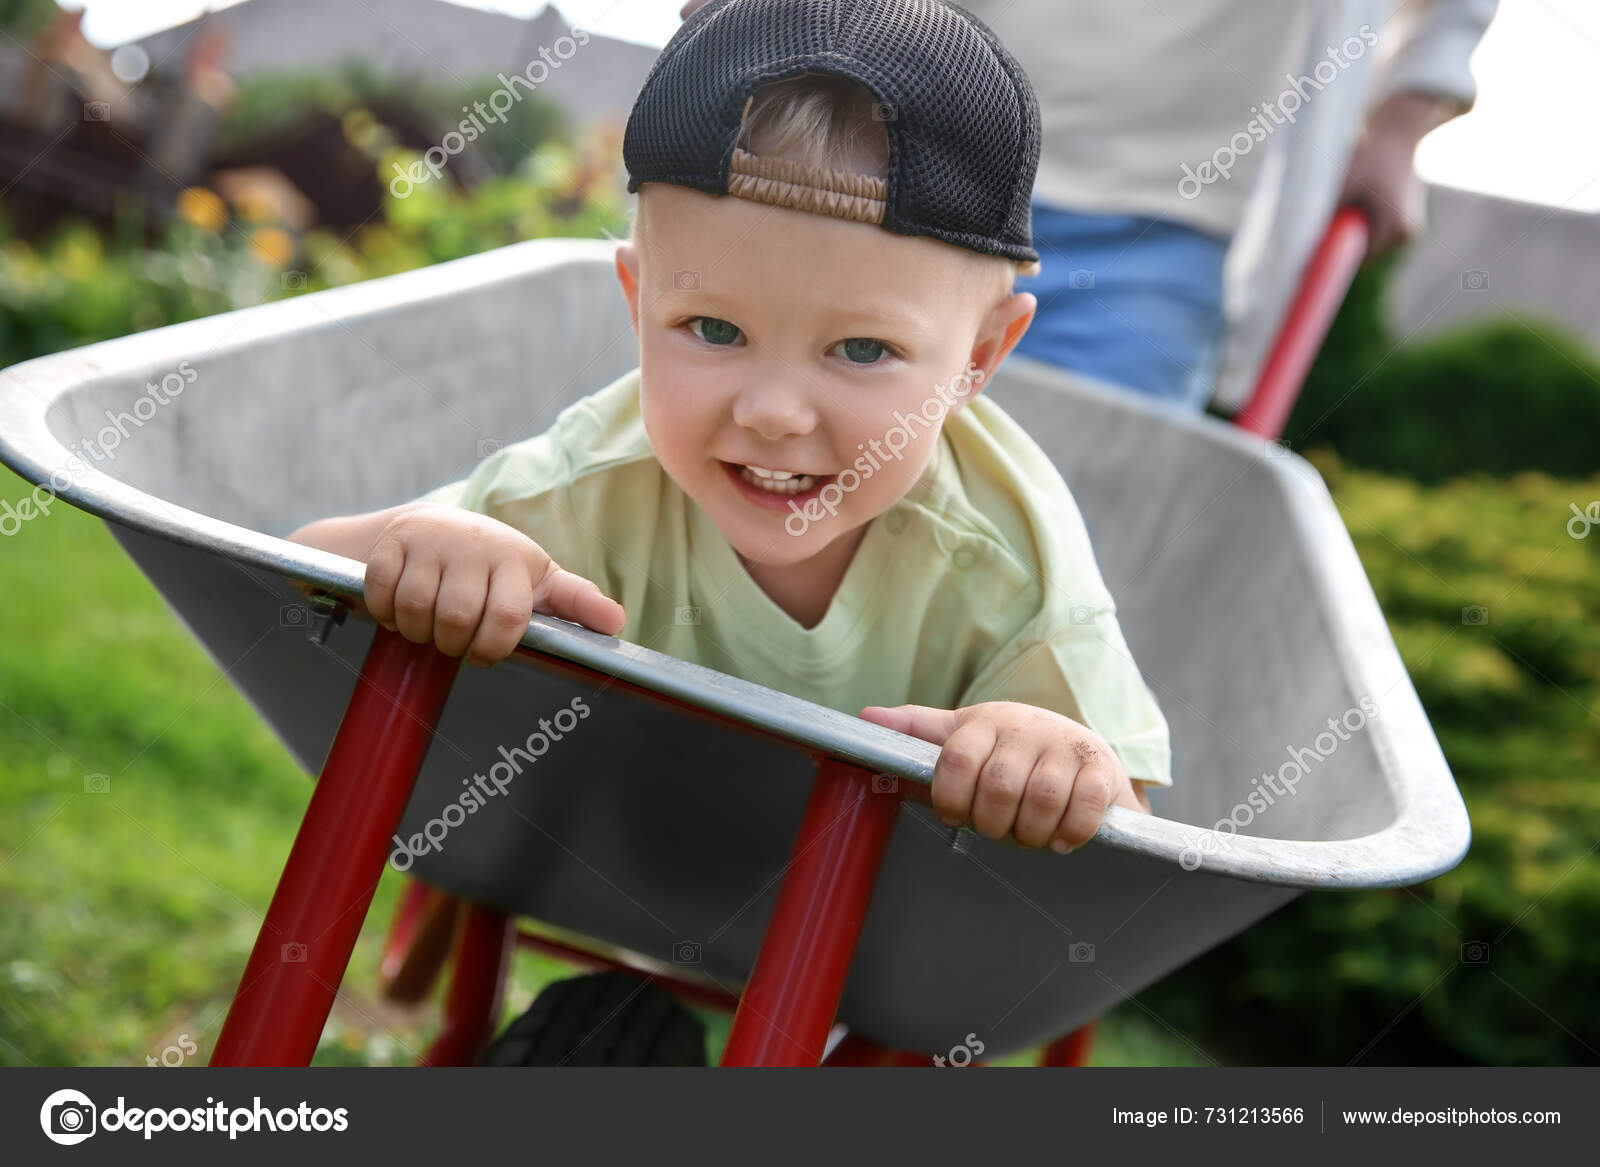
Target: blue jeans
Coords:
[(1129, 300)]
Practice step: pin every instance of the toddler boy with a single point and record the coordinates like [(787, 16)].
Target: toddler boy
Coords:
[(801, 483)]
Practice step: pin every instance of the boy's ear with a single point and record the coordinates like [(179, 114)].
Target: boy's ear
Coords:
[(628, 276), (1000, 331)]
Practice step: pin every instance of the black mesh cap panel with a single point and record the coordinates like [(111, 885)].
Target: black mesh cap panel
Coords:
[(961, 116)]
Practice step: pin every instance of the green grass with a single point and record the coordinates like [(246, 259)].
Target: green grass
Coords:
[(127, 913)]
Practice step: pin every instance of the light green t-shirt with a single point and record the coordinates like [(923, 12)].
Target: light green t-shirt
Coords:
[(979, 585)]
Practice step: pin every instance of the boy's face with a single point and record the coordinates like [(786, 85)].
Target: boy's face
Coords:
[(791, 341)]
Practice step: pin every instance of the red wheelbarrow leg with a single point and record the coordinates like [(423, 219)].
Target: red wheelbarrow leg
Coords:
[(419, 943), (333, 868), (788, 1006), (485, 943), (1072, 1050)]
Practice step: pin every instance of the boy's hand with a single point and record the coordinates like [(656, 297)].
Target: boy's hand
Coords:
[(1017, 769), (469, 584)]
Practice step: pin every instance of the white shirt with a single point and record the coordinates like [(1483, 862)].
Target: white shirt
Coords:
[(1133, 92)]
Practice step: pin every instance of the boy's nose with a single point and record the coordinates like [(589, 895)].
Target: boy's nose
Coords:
[(775, 407)]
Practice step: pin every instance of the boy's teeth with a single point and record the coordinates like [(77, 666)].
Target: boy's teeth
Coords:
[(776, 481)]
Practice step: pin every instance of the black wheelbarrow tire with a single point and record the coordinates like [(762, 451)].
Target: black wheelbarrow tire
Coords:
[(606, 1018)]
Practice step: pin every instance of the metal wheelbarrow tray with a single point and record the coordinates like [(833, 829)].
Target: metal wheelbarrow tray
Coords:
[(675, 836)]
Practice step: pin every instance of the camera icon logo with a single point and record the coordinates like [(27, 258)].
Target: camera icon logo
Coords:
[(1277, 449), (293, 616), (885, 784), (97, 111), (1081, 614), (1475, 952), (882, 111), (488, 447), (1081, 953), (686, 952), (1475, 280), (293, 953), (67, 1117), (1080, 278), (1475, 614), (686, 281), (293, 281), (97, 783), (686, 614)]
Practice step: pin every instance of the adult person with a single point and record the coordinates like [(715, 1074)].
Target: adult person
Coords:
[(1173, 133)]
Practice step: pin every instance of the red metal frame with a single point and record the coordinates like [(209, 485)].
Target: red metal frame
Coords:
[(477, 988), (787, 1009), (1071, 1050), (338, 855), (1316, 302), (788, 1005), (418, 944)]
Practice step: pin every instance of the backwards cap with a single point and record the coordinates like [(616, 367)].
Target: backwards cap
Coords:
[(960, 114)]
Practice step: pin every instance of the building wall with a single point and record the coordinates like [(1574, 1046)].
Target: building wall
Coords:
[(1482, 256)]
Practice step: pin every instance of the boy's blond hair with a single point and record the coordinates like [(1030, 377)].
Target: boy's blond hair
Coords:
[(818, 120)]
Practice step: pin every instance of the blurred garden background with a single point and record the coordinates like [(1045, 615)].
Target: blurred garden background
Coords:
[(145, 810)]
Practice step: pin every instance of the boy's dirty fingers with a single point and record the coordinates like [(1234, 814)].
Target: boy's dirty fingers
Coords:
[(1001, 783), (1092, 792), (955, 775), (505, 617), (1046, 798)]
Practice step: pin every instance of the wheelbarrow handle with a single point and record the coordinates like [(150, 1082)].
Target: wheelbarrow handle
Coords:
[(1322, 289)]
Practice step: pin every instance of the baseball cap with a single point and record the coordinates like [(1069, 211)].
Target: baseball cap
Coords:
[(960, 115)]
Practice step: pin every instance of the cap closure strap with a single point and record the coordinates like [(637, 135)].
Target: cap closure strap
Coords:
[(784, 182)]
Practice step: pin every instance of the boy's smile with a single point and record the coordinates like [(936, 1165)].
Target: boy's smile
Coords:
[(778, 351)]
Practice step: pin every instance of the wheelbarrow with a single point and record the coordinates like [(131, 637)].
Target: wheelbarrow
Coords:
[(742, 846)]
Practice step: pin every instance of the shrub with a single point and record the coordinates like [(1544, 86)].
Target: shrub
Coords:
[(77, 287), (1498, 397), (1392, 976)]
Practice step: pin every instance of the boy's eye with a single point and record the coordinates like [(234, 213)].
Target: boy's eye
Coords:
[(714, 331), (862, 350)]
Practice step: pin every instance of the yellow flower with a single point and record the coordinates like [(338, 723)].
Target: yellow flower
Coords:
[(255, 206), (272, 246), (203, 208)]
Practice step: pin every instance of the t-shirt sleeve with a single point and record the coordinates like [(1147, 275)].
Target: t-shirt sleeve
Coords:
[(1085, 672)]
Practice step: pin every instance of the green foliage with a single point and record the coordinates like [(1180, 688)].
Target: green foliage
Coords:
[(77, 287), (1515, 702), (268, 104), (23, 19), (1499, 397)]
